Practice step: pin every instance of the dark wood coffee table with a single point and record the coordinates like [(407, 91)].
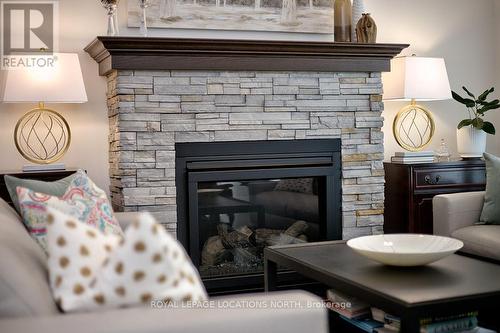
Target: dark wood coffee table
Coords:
[(449, 286)]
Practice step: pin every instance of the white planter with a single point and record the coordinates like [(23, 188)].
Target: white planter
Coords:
[(471, 142), (358, 8)]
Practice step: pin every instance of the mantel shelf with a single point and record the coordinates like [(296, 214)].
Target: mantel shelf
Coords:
[(153, 53)]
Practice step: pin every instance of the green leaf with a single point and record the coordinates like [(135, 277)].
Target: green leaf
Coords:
[(485, 94), (489, 128), (463, 123), (496, 101), (466, 101), (487, 108), (457, 97), (469, 93), (477, 123)]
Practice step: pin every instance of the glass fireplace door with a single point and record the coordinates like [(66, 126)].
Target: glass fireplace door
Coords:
[(234, 214)]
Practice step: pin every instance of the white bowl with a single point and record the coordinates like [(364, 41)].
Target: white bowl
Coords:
[(405, 249)]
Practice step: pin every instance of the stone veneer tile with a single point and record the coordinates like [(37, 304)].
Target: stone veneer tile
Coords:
[(151, 110)]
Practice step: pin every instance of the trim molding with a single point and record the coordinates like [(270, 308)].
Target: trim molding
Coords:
[(153, 53)]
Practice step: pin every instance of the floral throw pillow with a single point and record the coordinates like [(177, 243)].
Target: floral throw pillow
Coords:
[(82, 200), (90, 270)]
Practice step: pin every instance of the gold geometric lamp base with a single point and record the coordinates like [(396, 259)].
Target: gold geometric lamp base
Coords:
[(413, 127), (42, 135)]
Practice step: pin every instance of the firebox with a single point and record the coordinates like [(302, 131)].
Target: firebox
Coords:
[(235, 198)]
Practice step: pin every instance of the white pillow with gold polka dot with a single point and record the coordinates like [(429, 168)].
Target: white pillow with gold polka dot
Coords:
[(90, 270)]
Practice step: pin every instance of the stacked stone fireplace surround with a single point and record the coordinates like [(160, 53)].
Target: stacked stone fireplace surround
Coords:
[(149, 111)]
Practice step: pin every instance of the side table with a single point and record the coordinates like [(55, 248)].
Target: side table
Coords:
[(409, 189)]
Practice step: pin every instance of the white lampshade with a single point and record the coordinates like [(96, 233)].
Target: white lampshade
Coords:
[(417, 78), (61, 83)]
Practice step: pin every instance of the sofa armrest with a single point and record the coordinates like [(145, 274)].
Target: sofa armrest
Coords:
[(455, 211), (256, 187), (243, 314)]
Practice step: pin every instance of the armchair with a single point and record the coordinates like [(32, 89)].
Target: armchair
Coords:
[(457, 215)]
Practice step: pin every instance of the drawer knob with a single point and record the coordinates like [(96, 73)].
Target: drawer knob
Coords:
[(429, 180)]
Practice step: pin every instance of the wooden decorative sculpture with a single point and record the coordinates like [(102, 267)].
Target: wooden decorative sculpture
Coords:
[(366, 29)]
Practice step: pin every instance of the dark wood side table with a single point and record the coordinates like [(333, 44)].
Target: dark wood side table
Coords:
[(47, 176), (409, 189)]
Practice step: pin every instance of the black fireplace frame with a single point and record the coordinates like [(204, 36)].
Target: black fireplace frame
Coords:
[(219, 161)]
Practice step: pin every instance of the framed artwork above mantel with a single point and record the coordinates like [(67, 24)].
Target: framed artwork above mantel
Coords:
[(302, 16)]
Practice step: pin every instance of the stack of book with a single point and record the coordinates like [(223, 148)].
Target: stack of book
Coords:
[(463, 323), (360, 315), (352, 310), (408, 157), (391, 324), (346, 306)]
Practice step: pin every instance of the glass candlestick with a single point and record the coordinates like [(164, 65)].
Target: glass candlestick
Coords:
[(443, 152), (111, 20), (115, 22), (144, 4), (111, 6)]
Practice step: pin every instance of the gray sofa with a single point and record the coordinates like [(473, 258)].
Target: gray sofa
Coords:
[(456, 215), (26, 304)]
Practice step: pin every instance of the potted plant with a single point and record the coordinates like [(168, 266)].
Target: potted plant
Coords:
[(471, 132)]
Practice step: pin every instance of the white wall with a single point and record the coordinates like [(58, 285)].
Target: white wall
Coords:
[(462, 31), (80, 22)]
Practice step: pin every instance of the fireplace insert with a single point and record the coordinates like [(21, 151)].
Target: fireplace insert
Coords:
[(235, 198)]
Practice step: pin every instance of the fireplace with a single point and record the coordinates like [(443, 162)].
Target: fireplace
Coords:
[(235, 198), (165, 93)]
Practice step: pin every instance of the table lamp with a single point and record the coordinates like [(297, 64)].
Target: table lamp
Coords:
[(42, 135), (415, 79)]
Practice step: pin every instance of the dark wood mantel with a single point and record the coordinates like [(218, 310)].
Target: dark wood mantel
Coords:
[(139, 53)]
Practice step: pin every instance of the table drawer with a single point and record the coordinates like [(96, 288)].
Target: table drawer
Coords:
[(429, 178)]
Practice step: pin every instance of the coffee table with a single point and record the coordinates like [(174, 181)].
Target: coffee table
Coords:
[(453, 285)]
